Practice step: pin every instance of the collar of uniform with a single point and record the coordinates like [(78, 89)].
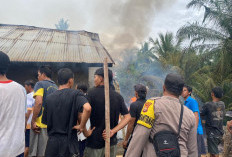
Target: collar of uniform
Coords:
[(171, 98), (111, 87), (140, 99), (101, 86), (188, 99)]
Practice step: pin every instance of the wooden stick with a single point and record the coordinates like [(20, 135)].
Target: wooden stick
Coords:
[(107, 108)]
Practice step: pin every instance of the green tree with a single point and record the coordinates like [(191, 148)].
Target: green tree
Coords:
[(213, 39), (166, 50), (62, 24), (172, 57)]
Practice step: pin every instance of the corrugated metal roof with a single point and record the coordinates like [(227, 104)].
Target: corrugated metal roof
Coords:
[(34, 44)]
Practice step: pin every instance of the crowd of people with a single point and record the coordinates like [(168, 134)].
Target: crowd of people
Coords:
[(45, 119)]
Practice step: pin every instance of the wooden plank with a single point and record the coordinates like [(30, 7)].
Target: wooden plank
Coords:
[(107, 108)]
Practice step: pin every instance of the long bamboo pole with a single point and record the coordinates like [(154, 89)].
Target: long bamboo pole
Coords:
[(107, 108)]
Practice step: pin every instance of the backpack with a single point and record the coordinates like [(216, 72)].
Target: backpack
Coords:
[(166, 142)]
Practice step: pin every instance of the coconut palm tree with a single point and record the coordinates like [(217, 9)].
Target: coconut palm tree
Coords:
[(216, 25), (174, 58), (62, 24), (214, 38), (166, 50)]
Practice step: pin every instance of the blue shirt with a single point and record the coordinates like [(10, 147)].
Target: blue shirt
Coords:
[(193, 105)]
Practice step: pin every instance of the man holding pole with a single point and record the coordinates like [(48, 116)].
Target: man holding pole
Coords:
[(95, 146)]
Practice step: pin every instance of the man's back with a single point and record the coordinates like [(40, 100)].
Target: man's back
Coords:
[(214, 113), (12, 117), (167, 113), (58, 110), (97, 101)]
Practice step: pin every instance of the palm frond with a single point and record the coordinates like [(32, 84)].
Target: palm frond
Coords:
[(200, 33), (198, 3), (217, 11)]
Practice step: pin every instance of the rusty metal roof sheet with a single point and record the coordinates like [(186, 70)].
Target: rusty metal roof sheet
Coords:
[(34, 44)]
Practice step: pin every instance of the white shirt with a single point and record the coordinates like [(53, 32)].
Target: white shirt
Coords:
[(30, 104), (12, 119), (81, 136)]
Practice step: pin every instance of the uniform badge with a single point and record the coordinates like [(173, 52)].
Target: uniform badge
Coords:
[(146, 106)]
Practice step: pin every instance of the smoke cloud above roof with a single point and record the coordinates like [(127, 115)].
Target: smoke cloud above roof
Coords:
[(121, 24)]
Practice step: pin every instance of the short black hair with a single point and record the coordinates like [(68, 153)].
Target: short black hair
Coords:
[(4, 63), (46, 69), (140, 87), (174, 84), (30, 83), (100, 72), (82, 86), (64, 75), (142, 94), (218, 92), (190, 89), (141, 90)]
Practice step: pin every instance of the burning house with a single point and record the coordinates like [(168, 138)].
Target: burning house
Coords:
[(30, 47)]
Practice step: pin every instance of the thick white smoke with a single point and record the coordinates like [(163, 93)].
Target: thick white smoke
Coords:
[(123, 24)]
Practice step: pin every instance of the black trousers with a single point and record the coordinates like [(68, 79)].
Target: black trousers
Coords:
[(57, 146), (82, 147)]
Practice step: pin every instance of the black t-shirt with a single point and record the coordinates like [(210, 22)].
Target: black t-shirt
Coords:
[(135, 109), (213, 113), (59, 107), (96, 97)]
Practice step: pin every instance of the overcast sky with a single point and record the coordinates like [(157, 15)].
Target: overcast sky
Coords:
[(110, 18), (176, 16)]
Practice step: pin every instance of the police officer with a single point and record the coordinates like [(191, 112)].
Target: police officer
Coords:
[(164, 114), (228, 135)]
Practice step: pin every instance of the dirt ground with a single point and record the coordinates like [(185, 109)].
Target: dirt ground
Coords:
[(120, 150)]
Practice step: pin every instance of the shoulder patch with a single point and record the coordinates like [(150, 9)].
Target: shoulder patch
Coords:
[(147, 116), (146, 106)]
